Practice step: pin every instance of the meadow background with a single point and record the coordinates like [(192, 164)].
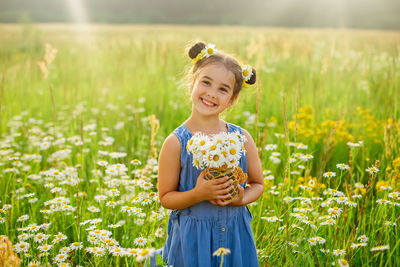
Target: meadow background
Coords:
[(79, 147)]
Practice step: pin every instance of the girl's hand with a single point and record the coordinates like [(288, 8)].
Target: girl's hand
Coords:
[(237, 201), (217, 189)]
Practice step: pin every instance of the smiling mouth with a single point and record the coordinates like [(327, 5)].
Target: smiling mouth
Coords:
[(207, 103)]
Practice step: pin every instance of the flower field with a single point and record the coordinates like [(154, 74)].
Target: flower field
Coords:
[(84, 112)]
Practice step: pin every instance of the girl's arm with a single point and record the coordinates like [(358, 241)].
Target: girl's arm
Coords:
[(255, 180), (169, 166)]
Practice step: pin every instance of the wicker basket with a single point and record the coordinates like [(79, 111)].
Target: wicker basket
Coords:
[(235, 173)]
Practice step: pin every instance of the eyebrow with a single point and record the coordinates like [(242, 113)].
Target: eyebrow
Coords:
[(224, 84)]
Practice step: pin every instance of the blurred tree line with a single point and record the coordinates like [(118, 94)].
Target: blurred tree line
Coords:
[(373, 14)]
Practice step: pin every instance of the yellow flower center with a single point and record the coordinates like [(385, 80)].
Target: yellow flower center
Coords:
[(190, 142), (213, 147), (210, 51), (245, 72), (202, 142), (232, 151), (144, 252), (216, 158)]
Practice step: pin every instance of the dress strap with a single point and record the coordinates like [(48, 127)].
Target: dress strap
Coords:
[(233, 128), (183, 134)]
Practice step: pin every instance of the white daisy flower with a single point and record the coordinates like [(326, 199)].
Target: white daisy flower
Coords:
[(102, 163), (210, 50), (380, 248), (328, 222), (342, 166), (132, 251), (159, 232), (339, 252), (140, 241), (40, 237), (117, 251), (76, 245), (312, 241), (100, 198), (23, 218), (144, 254), (21, 247), (271, 219), (357, 245), (335, 211), (343, 263), (362, 238), (222, 251), (372, 170), (329, 174), (60, 258), (65, 250), (247, 72), (44, 248), (93, 209)]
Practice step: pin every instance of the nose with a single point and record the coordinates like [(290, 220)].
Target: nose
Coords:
[(211, 93)]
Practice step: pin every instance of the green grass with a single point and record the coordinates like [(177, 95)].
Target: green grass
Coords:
[(323, 88)]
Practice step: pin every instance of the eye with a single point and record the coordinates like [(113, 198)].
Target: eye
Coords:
[(223, 89), (206, 82)]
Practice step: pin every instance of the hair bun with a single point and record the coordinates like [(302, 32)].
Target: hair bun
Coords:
[(253, 77), (196, 49)]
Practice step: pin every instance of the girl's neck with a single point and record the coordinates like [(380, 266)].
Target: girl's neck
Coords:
[(205, 125)]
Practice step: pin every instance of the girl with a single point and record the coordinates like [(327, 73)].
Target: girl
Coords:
[(201, 221)]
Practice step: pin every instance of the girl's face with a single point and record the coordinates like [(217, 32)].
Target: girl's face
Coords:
[(212, 90)]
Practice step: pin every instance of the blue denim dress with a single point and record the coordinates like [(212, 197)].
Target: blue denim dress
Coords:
[(196, 232)]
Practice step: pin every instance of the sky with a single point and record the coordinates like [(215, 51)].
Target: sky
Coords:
[(373, 14)]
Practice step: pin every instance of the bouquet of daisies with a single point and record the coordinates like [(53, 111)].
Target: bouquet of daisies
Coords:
[(220, 155)]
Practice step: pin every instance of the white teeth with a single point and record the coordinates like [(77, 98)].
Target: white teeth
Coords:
[(208, 103)]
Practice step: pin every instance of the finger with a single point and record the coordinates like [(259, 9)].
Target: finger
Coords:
[(224, 202), (222, 197), (212, 201), (220, 180), (223, 186), (201, 175), (219, 202), (240, 189), (225, 190)]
